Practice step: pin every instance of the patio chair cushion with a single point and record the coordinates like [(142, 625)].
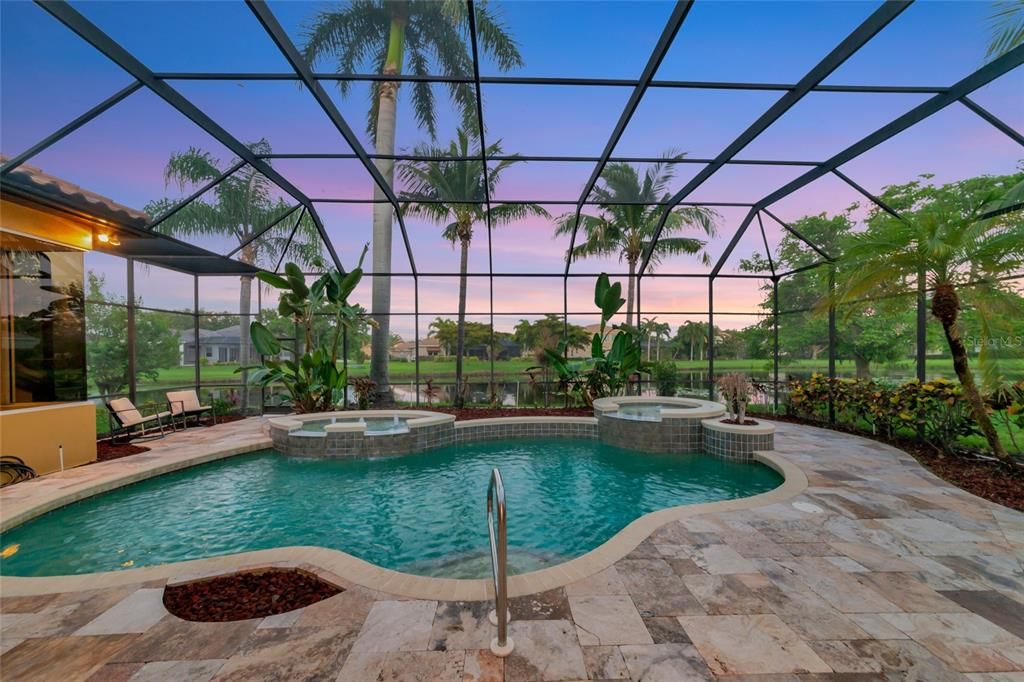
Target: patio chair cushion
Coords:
[(126, 412), (184, 401)]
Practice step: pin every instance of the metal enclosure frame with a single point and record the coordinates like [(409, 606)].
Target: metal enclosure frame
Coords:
[(940, 97)]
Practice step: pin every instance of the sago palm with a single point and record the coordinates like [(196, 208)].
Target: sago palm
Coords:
[(965, 261), (384, 35), (239, 207), (628, 217), (455, 196)]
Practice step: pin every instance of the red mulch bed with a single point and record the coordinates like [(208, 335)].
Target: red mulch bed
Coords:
[(221, 419), (468, 413), (246, 595), (993, 481), (105, 450)]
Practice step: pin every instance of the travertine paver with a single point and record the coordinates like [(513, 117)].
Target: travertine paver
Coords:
[(893, 576), (750, 645), (608, 620), (397, 626), (137, 612)]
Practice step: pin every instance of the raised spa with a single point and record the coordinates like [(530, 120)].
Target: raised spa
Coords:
[(421, 513)]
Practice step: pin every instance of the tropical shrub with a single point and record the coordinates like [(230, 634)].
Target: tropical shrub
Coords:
[(603, 373), (666, 377), (364, 388), (314, 381), (1007, 402), (935, 410), (938, 410)]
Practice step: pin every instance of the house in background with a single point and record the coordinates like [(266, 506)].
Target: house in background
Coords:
[(584, 350), (504, 349), (215, 346), (406, 350)]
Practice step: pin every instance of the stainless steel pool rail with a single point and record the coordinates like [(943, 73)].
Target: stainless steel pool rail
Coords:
[(502, 644)]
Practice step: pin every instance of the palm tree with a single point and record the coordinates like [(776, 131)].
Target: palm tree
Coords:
[(240, 207), (383, 35), (662, 332), (694, 335), (629, 216), (454, 193), (963, 258), (1007, 27)]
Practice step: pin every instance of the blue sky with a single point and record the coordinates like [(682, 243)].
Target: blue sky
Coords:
[(48, 76)]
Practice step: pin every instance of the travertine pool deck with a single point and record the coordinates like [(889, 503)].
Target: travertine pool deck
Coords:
[(875, 571)]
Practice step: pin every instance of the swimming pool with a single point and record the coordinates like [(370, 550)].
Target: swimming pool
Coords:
[(420, 513)]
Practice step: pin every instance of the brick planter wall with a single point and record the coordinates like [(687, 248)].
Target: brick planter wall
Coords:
[(525, 427), (683, 436), (731, 442)]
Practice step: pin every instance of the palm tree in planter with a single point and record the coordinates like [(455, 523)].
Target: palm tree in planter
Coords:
[(455, 198), (628, 218), (964, 259), (239, 207), (383, 35)]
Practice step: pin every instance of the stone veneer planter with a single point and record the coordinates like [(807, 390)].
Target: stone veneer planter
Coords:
[(677, 427), (734, 441), (427, 430), (641, 423), (348, 438)]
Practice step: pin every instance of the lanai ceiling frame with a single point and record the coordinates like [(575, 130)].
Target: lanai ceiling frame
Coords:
[(304, 74)]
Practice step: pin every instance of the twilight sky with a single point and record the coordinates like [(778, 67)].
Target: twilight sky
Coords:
[(48, 76)]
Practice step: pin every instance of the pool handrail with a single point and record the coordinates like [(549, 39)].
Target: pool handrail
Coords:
[(502, 644)]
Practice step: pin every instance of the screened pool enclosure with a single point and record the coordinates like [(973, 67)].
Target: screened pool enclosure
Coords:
[(213, 146)]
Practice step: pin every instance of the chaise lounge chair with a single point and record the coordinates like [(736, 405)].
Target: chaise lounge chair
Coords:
[(185, 404), (126, 418)]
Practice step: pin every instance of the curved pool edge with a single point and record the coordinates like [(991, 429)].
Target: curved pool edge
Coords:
[(345, 569)]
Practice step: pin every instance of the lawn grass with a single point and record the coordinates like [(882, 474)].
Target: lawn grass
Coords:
[(514, 370)]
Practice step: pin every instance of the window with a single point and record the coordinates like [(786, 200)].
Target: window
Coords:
[(42, 321)]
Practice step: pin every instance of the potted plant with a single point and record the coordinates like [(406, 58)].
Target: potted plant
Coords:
[(736, 390), (314, 381), (605, 372)]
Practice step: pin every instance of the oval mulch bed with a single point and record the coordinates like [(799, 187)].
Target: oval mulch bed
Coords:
[(242, 596)]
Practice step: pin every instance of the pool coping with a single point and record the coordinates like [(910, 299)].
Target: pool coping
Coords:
[(349, 568)]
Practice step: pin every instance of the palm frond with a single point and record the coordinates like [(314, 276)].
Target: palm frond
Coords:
[(1007, 24)]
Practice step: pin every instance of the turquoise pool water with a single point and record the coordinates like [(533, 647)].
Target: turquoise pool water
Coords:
[(420, 513), (374, 425)]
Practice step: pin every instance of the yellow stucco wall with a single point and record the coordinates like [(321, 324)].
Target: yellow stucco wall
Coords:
[(45, 224), (35, 433)]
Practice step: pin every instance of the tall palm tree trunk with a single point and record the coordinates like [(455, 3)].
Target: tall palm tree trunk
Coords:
[(946, 308), (380, 307), (629, 294), (460, 343), (245, 317)]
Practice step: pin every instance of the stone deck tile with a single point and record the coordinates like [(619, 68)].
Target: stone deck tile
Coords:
[(61, 658), (289, 654), (964, 641), (930, 580), (751, 644), (608, 620)]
